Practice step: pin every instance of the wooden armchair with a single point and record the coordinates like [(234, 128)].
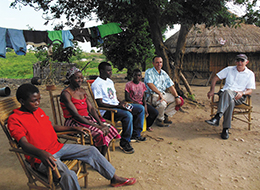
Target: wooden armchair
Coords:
[(6, 108), (58, 120), (117, 125), (36, 180), (244, 109)]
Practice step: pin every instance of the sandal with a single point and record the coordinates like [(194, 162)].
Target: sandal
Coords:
[(129, 181)]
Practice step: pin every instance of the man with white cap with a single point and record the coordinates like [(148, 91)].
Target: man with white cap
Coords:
[(240, 81)]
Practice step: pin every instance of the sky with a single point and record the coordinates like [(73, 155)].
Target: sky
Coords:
[(20, 19), (27, 16)]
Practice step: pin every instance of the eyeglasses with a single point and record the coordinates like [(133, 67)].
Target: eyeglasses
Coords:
[(242, 60)]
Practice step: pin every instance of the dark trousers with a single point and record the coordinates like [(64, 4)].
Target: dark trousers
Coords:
[(153, 113)]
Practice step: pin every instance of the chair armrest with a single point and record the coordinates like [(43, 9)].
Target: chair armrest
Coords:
[(72, 133), (21, 151), (248, 101), (108, 109), (68, 132), (213, 97), (69, 136)]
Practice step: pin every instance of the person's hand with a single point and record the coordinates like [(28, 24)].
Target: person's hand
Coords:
[(210, 94), (161, 98), (48, 159), (177, 101), (146, 113), (239, 95), (104, 129), (126, 105), (122, 105), (81, 129)]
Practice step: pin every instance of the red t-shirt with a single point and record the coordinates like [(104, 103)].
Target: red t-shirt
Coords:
[(37, 129), (136, 91)]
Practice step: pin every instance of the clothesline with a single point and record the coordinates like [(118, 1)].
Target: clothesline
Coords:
[(19, 39)]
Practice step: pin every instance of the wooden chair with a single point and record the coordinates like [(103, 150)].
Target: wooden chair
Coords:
[(58, 120), (36, 180), (243, 109), (117, 125)]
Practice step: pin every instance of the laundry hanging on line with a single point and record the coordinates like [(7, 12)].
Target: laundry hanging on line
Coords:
[(18, 39)]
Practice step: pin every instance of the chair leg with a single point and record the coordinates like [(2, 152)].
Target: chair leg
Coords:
[(108, 155), (249, 120), (211, 112), (113, 145), (86, 176)]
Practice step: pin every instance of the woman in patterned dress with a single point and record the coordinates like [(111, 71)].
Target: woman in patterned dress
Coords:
[(78, 111)]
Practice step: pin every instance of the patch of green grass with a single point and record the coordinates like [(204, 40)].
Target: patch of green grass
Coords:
[(17, 66), (21, 67)]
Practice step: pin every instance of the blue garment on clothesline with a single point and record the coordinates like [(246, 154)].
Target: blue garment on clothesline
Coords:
[(14, 39)]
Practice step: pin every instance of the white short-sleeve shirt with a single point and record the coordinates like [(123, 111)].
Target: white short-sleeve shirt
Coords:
[(237, 81), (105, 90)]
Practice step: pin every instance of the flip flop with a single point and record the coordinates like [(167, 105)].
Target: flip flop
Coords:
[(150, 129), (129, 181)]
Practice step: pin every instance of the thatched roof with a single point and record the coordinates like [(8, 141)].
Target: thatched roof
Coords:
[(219, 39)]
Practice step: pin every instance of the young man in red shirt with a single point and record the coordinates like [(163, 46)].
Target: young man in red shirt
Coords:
[(32, 129)]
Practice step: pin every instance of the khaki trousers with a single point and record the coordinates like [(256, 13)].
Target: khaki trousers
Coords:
[(163, 107)]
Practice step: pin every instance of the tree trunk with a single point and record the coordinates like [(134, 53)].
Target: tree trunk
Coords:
[(152, 14), (179, 54), (143, 65), (161, 50)]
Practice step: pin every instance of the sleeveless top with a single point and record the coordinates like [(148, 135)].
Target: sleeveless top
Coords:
[(80, 104)]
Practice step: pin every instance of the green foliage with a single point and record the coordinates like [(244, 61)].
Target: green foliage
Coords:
[(21, 67), (131, 48), (59, 54), (17, 66), (191, 96), (42, 55)]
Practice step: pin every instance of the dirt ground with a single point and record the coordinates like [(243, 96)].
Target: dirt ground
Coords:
[(187, 155)]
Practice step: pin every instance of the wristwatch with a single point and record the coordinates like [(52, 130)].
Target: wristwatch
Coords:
[(177, 97)]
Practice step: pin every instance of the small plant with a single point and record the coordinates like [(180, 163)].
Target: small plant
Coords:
[(51, 77), (191, 96), (57, 54)]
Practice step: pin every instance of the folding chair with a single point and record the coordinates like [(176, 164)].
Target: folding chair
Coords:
[(36, 180), (242, 109), (117, 125)]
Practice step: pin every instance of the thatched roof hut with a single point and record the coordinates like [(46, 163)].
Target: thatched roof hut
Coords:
[(212, 49)]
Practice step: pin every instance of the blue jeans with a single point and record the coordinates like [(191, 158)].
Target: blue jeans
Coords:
[(87, 154), (132, 122)]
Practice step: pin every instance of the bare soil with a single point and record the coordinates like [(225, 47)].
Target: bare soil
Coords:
[(187, 155)]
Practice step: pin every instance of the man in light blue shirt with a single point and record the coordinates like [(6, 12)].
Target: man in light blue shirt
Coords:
[(240, 81), (157, 81)]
